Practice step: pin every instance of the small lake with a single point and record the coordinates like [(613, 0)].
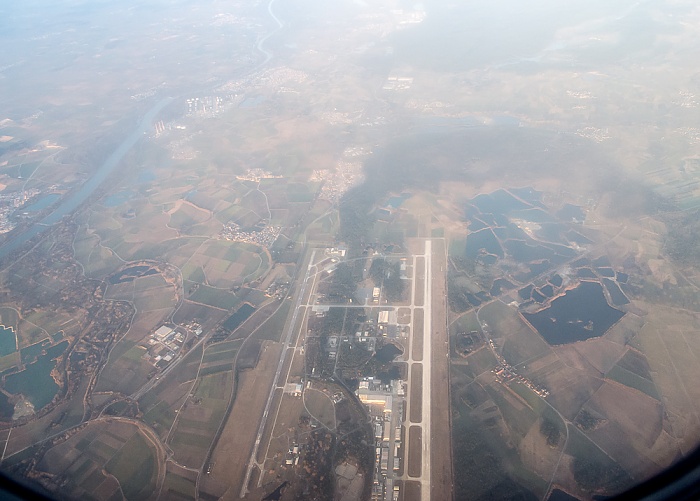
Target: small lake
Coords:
[(582, 313), (30, 353), (483, 239), (131, 273), (571, 213), (387, 353), (35, 381), (239, 317), (396, 202), (8, 341), (6, 408), (616, 295)]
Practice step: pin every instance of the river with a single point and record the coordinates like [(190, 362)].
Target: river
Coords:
[(73, 201)]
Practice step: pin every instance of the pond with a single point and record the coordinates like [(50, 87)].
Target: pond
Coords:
[(572, 213), (131, 273), (387, 353), (582, 313), (8, 341), (396, 202), (483, 239), (616, 295), (239, 317), (35, 381), (499, 286)]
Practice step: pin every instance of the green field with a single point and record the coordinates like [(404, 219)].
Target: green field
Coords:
[(134, 466), (214, 297), (633, 380), (273, 328), (178, 487)]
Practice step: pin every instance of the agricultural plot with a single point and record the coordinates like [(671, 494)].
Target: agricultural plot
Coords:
[(126, 370), (199, 418), (102, 449), (224, 264), (213, 297), (179, 484), (161, 401), (96, 260)]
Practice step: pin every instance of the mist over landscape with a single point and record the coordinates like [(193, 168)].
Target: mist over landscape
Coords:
[(348, 250)]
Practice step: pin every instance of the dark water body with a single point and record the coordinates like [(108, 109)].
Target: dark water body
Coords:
[(488, 259), (586, 273), (73, 201), (551, 232), (387, 353), (526, 292), (606, 272), (582, 313), (476, 224), (239, 317), (539, 268), (533, 215), (30, 353), (616, 295), (276, 495), (571, 213), (483, 239), (556, 280), (529, 195), (515, 233), (8, 341), (473, 299), (35, 381), (132, 273), (525, 253), (577, 238), (602, 261), (499, 286), (41, 204), (6, 408)]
